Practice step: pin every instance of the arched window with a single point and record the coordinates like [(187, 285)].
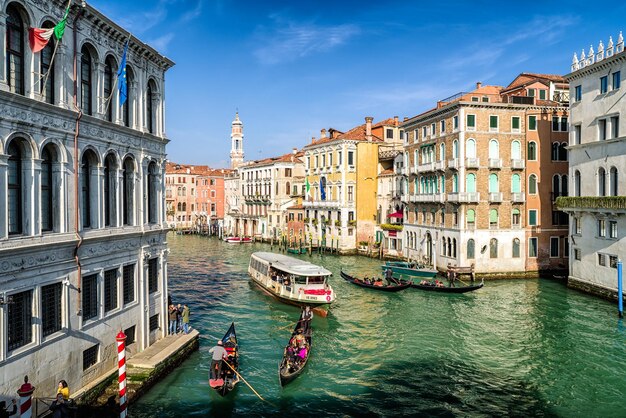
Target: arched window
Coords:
[(128, 200), (442, 151), (577, 183), (150, 115), (442, 188), (494, 186), (471, 183), (563, 151), (471, 219), (15, 184), (532, 151), (15, 50), (516, 150), (493, 248), (515, 218), (449, 251), (47, 214), (564, 185), (494, 149), (601, 182), (455, 149), (555, 151), (88, 182), (516, 248), (454, 247), (493, 218), (86, 66), (470, 248), (471, 148), (443, 246), (46, 69), (110, 190), (455, 183), (127, 114), (532, 184), (556, 186), (184, 206), (516, 183), (288, 189), (108, 88), (180, 206), (613, 178), (153, 188)]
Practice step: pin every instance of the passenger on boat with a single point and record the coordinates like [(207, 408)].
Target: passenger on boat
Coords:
[(302, 353), (300, 340), (439, 283), (378, 282), (425, 283)]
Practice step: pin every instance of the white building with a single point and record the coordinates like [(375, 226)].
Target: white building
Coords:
[(597, 165), (83, 251)]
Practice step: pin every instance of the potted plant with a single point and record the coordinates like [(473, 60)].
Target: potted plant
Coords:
[(315, 221), (352, 222), (337, 222)]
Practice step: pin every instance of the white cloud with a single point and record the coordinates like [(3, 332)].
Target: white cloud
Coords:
[(161, 43)]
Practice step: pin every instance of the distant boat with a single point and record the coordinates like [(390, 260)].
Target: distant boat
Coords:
[(296, 250), (291, 280), (238, 240), (228, 379)]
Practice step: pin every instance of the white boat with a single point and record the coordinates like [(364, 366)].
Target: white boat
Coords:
[(291, 280), (238, 240)]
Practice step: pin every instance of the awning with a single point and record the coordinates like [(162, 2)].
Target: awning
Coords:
[(396, 215)]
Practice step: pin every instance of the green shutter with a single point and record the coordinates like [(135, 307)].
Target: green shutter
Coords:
[(515, 122), (471, 215), (471, 121), (493, 121), (532, 123), (493, 216), (532, 217)]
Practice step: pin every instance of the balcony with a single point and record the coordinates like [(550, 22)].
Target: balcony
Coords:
[(429, 198), (322, 204), (495, 163), (466, 197), (517, 164), (594, 203), (472, 162), (423, 168), (440, 165), (518, 197), (454, 163), (413, 169), (495, 197)]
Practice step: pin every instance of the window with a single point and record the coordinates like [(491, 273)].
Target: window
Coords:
[(577, 254), (531, 92), (153, 187), (612, 229), (46, 68), (108, 87), (471, 148), (433, 129), (455, 122), (485, 99), (470, 248), (154, 322), (128, 185), (442, 128), (565, 247), (555, 123), (88, 165), (601, 259), (15, 50), (532, 217), (578, 93), (153, 284), (532, 123), (471, 219), (532, 151), (532, 247), (616, 80), (614, 126), (515, 218), (577, 183), (19, 320), (89, 295), (577, 226), (515, 125), (532, 184), (389, 133), (47, 191), (471, 122), (51, 308), (109, 191), (350, 193), (90, 357), (493, 219), (424, 132), (516, 150), (128, 283), (601, 182), (130, 335), (613, 261), (563, 124), (150, 107), (554, 247), (601, 228), (493, 248), (85, 81), (474, 98), (15, 182), (493, 123), (494, 185), (542, 94), (604, 84), (126, 114), (601, 129), (516, 248), (350, 158), (110, 290)]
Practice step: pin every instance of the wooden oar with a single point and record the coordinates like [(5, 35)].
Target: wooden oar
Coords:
[(289, 326), (244, 381)]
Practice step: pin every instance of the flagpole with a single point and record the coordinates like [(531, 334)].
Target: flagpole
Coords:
[(108, 99), (56, 45)]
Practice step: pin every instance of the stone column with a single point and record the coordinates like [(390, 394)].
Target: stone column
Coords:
[(61, 87), (3, 45), (60, 193), (34, 212), (97, 207), (3, 200), (119, 196), (98, 87)]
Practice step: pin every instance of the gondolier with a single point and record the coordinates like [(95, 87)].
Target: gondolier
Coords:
[(307, 316), (219, 354)]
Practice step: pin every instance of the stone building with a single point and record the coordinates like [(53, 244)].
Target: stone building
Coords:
[(83, 250), (597, 150), (182, 194)]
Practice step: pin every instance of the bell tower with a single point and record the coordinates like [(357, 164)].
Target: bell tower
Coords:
[(236, 140)]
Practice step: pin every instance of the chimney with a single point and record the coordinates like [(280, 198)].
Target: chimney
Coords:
[(405, 119), (478, 85), (323, 133), (295, 151), (312, 139), (395, 121), (368, 128)]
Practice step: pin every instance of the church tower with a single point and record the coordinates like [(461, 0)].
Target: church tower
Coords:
[(236, 139)]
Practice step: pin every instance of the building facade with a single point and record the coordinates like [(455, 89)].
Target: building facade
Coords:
[(597, 149), (83, 248)]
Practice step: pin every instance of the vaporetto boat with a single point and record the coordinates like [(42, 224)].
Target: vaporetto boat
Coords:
[(291, 280)]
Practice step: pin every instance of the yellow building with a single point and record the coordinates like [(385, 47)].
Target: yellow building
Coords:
[(341, 173)]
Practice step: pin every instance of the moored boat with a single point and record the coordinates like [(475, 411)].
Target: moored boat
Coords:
[(295, 355), (228, 378), (438, 286), (396, 287), (291, 280), (423, 273), (238, 240)]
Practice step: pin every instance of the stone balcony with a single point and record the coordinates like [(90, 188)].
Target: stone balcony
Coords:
[(423, 168), (465, 197), (517, 164), (454, 163), (495, 197), (428, 198), (440, 165), (604, 204), (334, 204), (518, 197), (495, 163), (472, 162)]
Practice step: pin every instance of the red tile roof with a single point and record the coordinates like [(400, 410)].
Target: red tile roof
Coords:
[(528, 78)]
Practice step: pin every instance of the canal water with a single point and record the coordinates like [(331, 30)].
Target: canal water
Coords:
[(512, 348)]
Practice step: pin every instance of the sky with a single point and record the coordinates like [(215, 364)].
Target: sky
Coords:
[(291, 68)]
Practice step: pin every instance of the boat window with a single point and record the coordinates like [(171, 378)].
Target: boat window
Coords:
[(300, 279), (316, 280)]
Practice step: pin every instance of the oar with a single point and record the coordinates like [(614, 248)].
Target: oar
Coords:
[(244, 381), (289, 326)]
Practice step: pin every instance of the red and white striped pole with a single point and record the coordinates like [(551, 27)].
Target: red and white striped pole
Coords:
[(26, 392), (121, 366)]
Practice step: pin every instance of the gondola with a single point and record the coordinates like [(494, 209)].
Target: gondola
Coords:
[(447, 289), (400, 285), (291, 366), (228, 378)]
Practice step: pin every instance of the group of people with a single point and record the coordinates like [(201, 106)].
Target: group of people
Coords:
[(376, 281), (297, 351), (436, 283), (178, 319)]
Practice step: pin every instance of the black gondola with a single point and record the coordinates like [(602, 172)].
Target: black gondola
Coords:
[(400, 285), (437, 286), (292, 363), (228, 378)]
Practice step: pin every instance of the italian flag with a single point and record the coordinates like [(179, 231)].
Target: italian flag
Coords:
[(39, 37), (308, 187)]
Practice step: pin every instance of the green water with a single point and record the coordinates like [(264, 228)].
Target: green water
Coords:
[(512, 348)]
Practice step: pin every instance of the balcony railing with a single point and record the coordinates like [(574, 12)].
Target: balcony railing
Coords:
[(472, 162), (495, 197), (517, 164), (422, 168), (322, 204), (591, 202), (518, 197), (413, 169), (424, 198), (440, 165), (495, 163), (464, 197), (454, 163)]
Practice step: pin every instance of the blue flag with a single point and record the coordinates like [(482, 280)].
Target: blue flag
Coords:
[(121, 77), (323, 188)]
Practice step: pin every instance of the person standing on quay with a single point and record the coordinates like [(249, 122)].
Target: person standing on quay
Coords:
[(186, 319), (173, 313)]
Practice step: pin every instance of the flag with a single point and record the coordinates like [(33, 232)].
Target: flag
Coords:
[(323, 188), (121, 76), (307, 186), (38, 38)]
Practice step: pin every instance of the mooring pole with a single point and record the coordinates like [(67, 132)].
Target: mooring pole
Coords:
[(620, 302)]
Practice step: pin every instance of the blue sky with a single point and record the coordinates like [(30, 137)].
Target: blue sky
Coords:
[(292, 68)]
